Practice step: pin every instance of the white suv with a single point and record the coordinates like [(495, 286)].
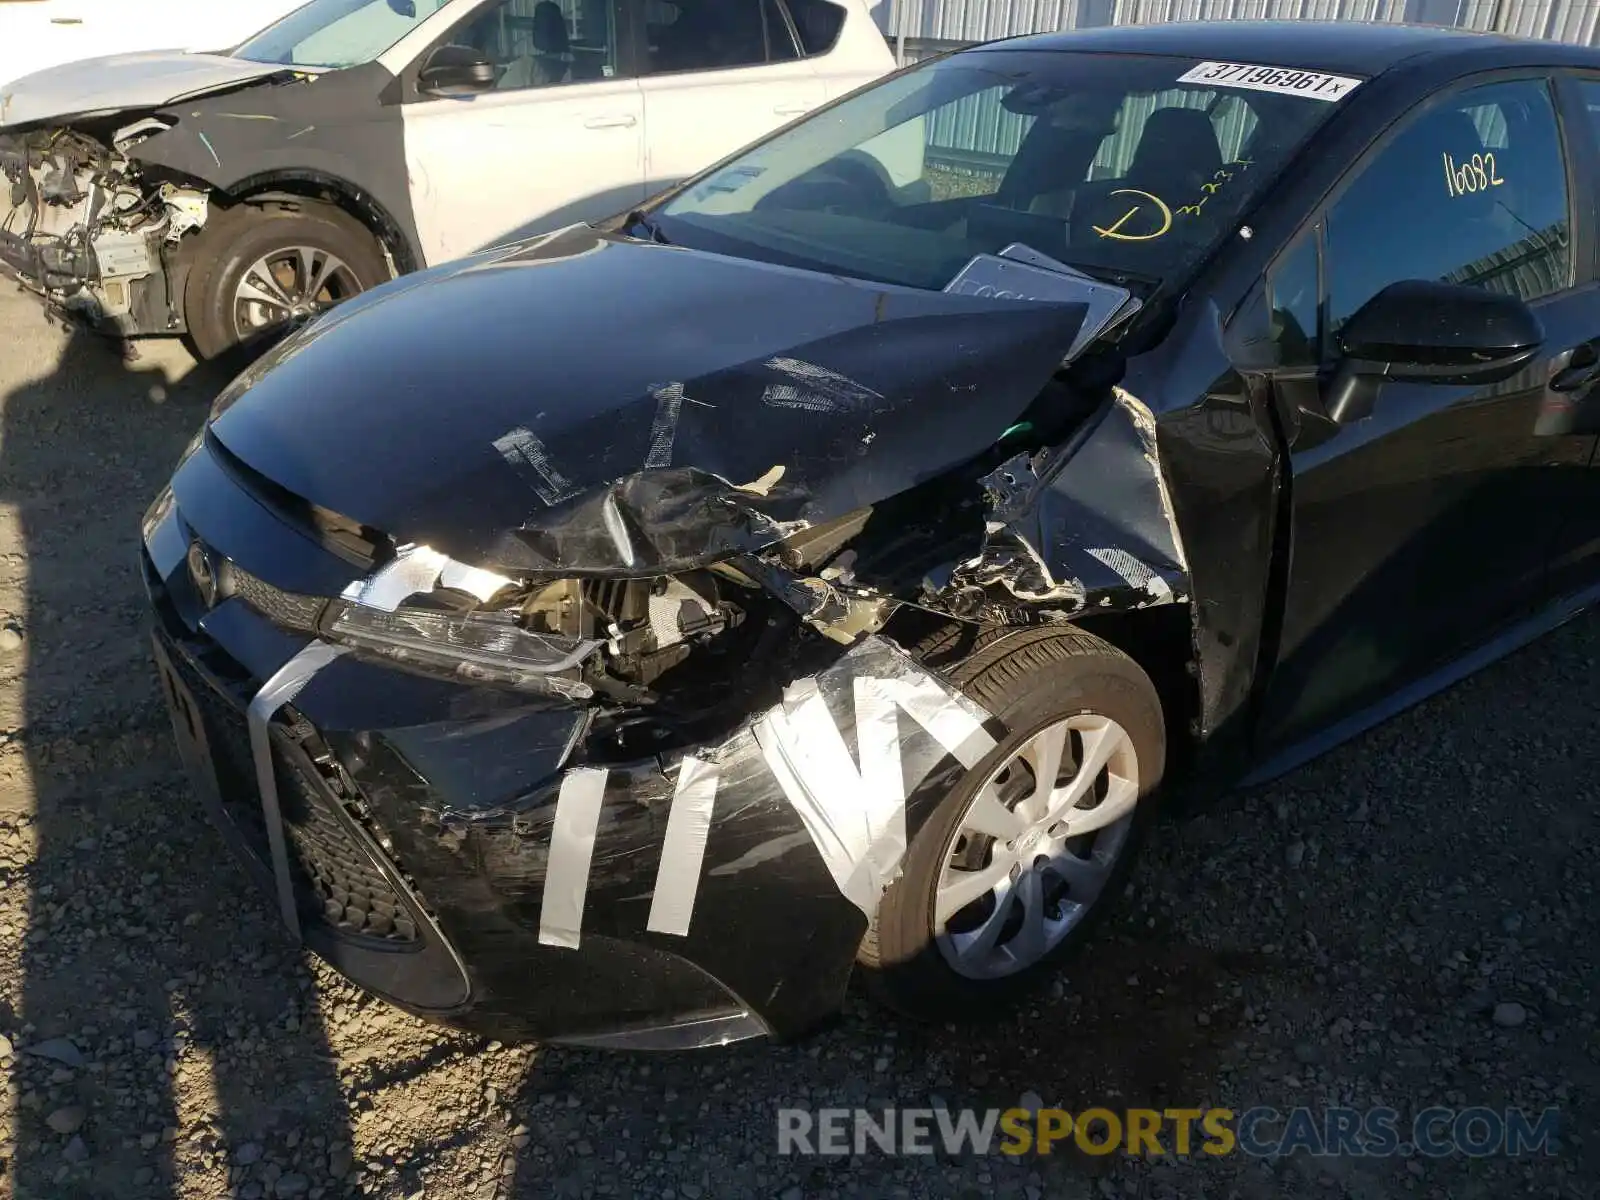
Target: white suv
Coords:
[(356, 139)]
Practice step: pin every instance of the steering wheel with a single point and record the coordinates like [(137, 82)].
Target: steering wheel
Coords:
[(853, 184), (863, 175)]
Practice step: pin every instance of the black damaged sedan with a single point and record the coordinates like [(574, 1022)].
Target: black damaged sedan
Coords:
[(622, 637)]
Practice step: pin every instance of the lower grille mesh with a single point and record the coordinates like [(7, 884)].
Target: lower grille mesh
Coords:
[(354, 895), (336, 880)]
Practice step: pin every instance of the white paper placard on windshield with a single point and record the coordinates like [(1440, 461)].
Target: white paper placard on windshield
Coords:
[(1287, 81)]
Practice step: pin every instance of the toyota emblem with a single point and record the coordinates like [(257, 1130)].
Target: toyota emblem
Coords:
[(200, 570)]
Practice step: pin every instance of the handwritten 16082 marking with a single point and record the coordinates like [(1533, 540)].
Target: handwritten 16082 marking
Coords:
[(1474, 175)]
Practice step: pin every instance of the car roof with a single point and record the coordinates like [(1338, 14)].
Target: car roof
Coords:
[(1352, 47)]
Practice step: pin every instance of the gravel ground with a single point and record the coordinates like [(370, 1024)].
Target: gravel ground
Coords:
[(1410, 921)]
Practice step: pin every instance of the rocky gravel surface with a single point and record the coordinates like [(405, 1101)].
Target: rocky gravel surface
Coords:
[(1409, 922)]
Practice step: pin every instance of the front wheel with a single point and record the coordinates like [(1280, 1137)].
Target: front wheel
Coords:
[(255, 268), (1007, 877)]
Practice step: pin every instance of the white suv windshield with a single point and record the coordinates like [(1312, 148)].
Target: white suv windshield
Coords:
[(337, 33), (1129, 167)]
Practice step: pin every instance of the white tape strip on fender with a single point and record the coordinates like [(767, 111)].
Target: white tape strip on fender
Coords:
[(860, 827), (287, 683), (856, 818), (566, 877), (683, 850)]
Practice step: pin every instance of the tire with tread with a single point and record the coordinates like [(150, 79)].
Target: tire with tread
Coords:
[(1028, 678), (234, 239)]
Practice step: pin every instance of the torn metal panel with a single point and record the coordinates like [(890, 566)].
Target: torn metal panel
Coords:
[(1085, 527), (834, 608), (1223, 474)]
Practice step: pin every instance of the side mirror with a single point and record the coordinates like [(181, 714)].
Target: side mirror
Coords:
[(1423, 332), (456, 71)]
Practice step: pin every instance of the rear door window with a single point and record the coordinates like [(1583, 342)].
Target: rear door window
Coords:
[(713, 35)]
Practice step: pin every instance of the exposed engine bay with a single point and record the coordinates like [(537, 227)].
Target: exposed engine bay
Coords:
[(665, 658), (97, 235), (662, 656)]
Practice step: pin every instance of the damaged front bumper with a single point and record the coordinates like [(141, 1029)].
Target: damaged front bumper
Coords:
[(481, 858)]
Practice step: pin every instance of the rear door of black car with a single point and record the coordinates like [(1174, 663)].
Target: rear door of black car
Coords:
[(1421, 529)]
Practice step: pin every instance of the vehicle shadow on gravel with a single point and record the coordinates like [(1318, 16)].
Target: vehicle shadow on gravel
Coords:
[(1118, 1029), (167, 1035)]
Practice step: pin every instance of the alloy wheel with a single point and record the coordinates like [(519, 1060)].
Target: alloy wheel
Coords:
[(1036, 846), (291, 282)]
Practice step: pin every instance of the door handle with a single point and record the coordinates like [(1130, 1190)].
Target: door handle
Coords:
[(614, 121), (791, 110), (1575, 369)]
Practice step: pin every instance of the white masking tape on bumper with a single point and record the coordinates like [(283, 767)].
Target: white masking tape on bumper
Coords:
[(683, 851), (289, 681), (566, 877), (857, 817)]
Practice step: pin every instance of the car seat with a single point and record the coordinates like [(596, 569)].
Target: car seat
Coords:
[(1177, 154), (707, 36), (549, 60)]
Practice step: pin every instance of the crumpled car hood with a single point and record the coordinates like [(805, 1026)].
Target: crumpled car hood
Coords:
[(591, 402), (121, 82)]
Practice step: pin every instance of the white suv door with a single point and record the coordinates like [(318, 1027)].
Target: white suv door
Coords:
[(558, 139)]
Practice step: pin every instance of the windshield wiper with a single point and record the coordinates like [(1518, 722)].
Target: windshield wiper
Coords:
[(638, 217)]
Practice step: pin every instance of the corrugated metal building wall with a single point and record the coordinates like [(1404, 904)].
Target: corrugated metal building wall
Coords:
[(979, 20)]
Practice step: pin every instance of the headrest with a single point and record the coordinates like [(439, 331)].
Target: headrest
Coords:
[(549, 28)]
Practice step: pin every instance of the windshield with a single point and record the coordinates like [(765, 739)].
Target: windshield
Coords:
[(337, 33), (1128, 167)]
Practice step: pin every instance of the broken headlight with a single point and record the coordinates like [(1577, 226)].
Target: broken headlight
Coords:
[(481, 647), (426, 610)]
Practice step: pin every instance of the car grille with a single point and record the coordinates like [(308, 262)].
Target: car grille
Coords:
[(337, 880), (355, 896), (287, 609)]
